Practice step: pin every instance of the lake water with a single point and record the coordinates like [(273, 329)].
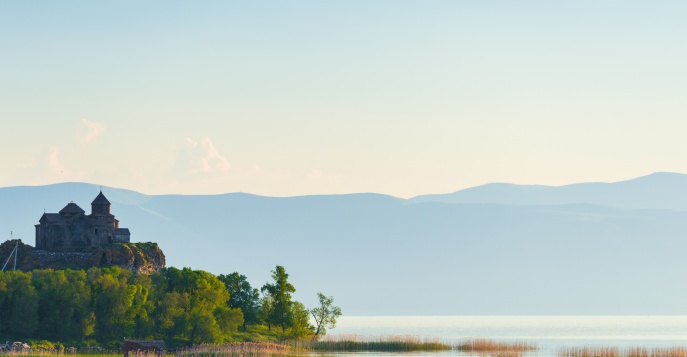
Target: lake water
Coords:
[(549, 333)]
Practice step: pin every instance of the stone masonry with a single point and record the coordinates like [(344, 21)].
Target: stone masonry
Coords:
[(72, 230)]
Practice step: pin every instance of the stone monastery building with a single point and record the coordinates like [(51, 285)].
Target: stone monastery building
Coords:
[(72, 230)]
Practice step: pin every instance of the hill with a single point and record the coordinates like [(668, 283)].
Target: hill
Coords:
[(661, 190), (495, 249)]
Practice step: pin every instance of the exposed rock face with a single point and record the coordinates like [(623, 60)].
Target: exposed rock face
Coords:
[(143, 258)]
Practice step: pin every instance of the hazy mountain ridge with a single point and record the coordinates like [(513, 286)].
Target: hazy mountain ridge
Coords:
[(380, 255), (656, 191)]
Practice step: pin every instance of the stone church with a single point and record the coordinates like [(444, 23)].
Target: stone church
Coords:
[(72, 230)]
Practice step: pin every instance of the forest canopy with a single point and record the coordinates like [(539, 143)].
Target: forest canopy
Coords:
[(103, 306)]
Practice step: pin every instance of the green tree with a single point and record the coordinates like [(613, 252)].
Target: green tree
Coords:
[(170, 316), (194, 308), (280, 291), (117, 302), (300, 323), (228, 319), (266, 308), (180, 306), (243, 296), (325, 314), (18, 305), (64, 311), (142, 307)]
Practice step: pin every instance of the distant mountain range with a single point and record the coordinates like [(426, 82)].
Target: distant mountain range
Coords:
[(662, 190), (497, 249)]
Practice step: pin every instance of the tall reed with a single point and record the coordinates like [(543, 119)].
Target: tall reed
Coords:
[(589, 351), (387, 343), (638, 351), (487, 345), (53, 353), (243, 349)]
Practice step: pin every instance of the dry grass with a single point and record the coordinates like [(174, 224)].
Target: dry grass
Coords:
[(587, 351), (629, 352), (388, 343), (665, 352), (53, 353), (243, 349), (487, 345)]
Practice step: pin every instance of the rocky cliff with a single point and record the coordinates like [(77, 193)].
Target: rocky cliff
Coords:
[(143, 258)]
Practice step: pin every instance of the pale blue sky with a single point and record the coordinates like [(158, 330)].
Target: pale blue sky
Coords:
[(308, 97)]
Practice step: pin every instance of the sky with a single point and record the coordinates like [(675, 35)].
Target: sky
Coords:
[(285, 98)]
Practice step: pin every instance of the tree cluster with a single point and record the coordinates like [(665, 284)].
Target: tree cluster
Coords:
[(181, 306), (272, 305)]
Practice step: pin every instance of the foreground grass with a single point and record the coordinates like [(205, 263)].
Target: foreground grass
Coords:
[(56, 353), (243, 349), (331, 343), (390, 343)]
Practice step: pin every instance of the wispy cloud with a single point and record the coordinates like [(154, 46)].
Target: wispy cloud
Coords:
[(56, 169), (54, 163), (89, 130), (203, 157)]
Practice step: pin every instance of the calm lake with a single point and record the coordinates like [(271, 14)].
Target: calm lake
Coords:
[(549, 333)]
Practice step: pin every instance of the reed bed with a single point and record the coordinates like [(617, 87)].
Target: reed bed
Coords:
[(628, 352), (141, 354), (53, 353), (388, 343), (587, 351), (487, 345), (664, 352), (243, 349)]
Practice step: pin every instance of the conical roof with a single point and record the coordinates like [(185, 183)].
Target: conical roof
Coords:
[(71, 208), (101, 200)]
